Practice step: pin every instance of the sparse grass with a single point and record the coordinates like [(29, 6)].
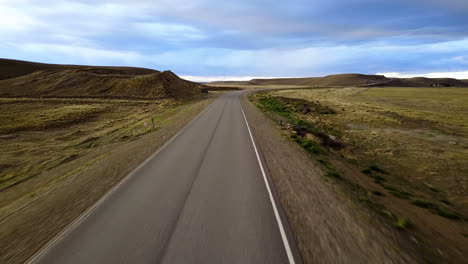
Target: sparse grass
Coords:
[(412, 140), (372, 169), (301, 129), (41, 134), (445, 201), (288, 109), (424, 204), (366, 199), (436, 209), (397, 192), (39, 117), (389, 126), (333, 174)]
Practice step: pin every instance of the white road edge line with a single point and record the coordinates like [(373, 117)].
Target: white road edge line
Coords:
[(275, 209), (91, 209)]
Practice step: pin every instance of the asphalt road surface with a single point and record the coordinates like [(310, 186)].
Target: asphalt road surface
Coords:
[(203, 198)]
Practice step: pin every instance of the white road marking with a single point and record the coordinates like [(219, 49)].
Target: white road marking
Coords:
[(275, 209), (93, 208)]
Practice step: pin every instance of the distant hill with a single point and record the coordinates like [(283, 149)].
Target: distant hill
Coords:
[(331, 80), (50, 80), (353, 79), (427, 82), (229, 83)]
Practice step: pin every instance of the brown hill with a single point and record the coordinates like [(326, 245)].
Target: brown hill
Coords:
[(331, 80), (361, 80), (89, 81), (16, 68)]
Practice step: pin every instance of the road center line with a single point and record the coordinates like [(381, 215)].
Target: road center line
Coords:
[(275, 209)]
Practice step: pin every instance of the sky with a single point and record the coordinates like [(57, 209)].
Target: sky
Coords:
[(206, 40)]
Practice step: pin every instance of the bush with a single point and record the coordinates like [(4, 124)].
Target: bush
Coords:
[(377, 169), (402, 223)]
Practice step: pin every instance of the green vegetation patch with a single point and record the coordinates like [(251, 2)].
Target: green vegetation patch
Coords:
[(402, 223), (435, 209), (397, 192), (272, 104), (307, 144)]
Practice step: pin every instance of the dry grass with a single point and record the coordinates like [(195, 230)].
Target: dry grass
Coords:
[(16, 68), (40, 134), (420, 134), (51, 174), (92, 83), (402, 146)]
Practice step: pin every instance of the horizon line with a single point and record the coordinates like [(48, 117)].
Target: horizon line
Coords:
[(461, 75)]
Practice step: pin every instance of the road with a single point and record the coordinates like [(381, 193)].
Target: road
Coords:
[(203, 198)]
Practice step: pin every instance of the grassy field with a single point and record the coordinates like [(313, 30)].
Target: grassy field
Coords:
[(59, 156), (38, 135), (401, 151)]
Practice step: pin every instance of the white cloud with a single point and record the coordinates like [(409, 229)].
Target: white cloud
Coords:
[(455, 75), (460, 59), (14, 21), (83, 54)]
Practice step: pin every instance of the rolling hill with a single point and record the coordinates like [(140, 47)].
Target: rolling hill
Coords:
[(50, 80), (353, 79), (331, 80)]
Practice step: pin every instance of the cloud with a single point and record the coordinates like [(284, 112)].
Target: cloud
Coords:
[(241, 38), (67, 54)]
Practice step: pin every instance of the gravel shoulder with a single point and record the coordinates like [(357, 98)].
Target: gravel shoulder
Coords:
[(328, 227)]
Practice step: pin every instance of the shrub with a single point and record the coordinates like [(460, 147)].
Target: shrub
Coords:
[(402, 223), (377, 169)]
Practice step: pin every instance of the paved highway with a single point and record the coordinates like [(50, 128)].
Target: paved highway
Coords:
[(203, 198)]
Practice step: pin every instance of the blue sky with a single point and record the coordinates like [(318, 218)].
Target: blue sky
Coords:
[(212, 39)]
